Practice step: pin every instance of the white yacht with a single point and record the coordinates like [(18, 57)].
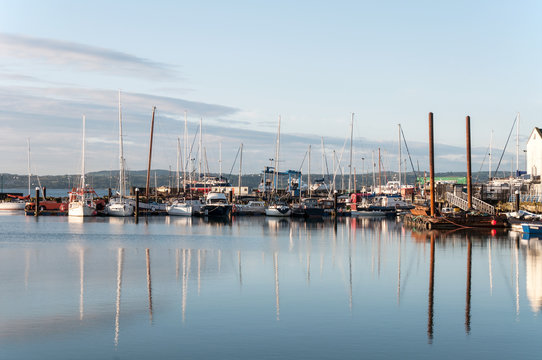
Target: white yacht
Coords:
[(81, 200), (184, 207), (120, 206)]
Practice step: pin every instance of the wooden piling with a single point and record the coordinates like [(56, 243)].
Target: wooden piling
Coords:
[(137, 205), (37, 203), (45, 193), (469, 173), (431, 165), (335, 195)]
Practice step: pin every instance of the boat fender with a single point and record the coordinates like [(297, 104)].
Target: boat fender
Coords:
[(353, 198)]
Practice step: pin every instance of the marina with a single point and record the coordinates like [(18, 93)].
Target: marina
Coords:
[(270, 180)]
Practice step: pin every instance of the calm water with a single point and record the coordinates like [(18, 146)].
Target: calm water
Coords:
[(261, 288)]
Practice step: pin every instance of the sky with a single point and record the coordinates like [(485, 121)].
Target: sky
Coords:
[(239, 65)]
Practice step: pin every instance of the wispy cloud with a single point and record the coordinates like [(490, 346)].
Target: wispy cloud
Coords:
[(81, 56)]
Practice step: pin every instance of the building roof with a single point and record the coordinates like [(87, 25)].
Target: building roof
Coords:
[(538, 130)]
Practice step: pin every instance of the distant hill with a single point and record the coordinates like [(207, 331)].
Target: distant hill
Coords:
[(109, 179)]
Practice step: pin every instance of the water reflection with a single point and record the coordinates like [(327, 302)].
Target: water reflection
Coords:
[(120, 262), (251, 275), (431, 290), (533, 272)]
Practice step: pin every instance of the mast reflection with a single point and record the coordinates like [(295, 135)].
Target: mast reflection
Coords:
[(81, 283), (468, 292), (431, 288), (276, 270), (120, 264), (149, 285)]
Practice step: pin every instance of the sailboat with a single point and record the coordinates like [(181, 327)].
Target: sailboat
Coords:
[(81, 199), (277, 208), (183, 207), (120, 206)]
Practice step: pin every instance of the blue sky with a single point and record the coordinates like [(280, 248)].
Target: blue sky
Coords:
[(241, 64)]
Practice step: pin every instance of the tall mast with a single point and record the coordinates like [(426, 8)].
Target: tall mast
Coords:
[(121, 154), (186, 154), (83, 157), (178, 159), (155, 187), (200, 147), (309, 173), (354, 182), (240, 170), (490, 151), (379, 174), (374, 178), (150, 155), (28, 141), (277, 152), (334, 171), (400, 162), (351, 143), (517, 147), (323, 159), (220, 159)]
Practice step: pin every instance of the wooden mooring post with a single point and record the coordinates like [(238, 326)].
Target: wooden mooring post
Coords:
[(137, 205), (469, 174), (37, 203), (431, 165)]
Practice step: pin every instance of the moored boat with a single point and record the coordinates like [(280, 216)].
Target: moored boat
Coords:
[(278, 210), (81, 200), (308, 208), (181, 208), (15, 202), (250, 208), (216, 205), (120, 206)]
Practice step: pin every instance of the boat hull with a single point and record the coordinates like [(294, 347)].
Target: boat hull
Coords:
[(12, 206), (278, 212), (532, 229), (81, 210), (120, 209), (179, 210), (220, 210)]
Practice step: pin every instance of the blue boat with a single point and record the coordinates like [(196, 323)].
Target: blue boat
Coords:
[(531, 228)]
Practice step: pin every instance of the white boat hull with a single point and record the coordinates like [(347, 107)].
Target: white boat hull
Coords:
[(278, 212), (79, 209), (12, 206), (179, 210), (120, 209)]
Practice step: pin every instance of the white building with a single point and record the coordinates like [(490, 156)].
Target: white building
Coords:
[(534, 153)]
